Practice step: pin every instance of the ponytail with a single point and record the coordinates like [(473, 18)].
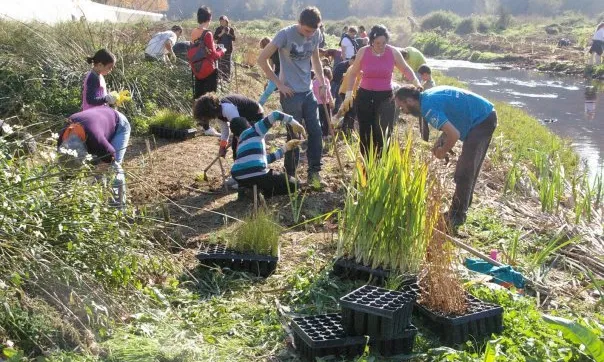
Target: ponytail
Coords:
[(102, 56)]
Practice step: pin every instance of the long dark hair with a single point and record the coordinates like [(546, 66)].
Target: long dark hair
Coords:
[(102, 56)]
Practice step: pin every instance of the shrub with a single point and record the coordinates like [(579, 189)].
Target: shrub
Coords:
[(445, 20), (504, 18), (553, 29), (483, 26), (466, 26)]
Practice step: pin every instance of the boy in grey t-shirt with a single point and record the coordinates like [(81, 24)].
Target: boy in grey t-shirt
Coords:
[(298, 47)]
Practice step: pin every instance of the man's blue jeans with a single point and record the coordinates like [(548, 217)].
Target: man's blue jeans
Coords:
[(303, 107)]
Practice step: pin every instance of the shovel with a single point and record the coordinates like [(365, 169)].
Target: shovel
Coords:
[(205, 175)]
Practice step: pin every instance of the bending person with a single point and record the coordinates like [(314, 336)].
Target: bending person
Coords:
[(251, 164), (460, 115), (375, 105), (103, 133)]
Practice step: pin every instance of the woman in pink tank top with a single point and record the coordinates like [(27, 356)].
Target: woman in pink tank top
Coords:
[(374, 99)]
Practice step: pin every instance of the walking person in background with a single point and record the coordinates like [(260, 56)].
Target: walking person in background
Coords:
[(326, 100), (160, 46), (94, 89), (348, 43), (425, 76), (597, 45), (362, 32), (225, 35), (374, 99), (209, 83), (276, 66), (103, 133), (298, 47), (460, 115)]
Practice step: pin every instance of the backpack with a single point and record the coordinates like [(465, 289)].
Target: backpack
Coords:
[(197, 55), (355, 45)]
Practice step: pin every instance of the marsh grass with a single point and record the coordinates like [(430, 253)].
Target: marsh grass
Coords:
[(172, 119), (384, 221), (258, 234)]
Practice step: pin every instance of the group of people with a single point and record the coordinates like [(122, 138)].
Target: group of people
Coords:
[(289, 60)]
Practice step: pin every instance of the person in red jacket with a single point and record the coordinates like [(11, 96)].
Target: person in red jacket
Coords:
[(210, 83)]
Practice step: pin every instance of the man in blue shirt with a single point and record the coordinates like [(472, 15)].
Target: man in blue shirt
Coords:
[(460, 115)]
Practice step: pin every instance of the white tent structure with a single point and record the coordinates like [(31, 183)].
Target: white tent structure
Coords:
[(55, 11)]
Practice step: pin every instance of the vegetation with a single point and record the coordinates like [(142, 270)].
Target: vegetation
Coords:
[(385, 220), (258, 234), (171, 119), (443, 20)]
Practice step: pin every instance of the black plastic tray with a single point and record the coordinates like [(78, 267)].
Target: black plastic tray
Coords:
[(402, 344), (219, 255), (481, 320), (376, 312), (322, 335), (345, 268), (172, 133)]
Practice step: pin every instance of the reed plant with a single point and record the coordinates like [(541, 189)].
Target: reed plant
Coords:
[(258, 234), (384, 222), (549, 179)]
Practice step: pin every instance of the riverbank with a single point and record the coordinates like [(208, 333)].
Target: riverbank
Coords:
[(149, 299)]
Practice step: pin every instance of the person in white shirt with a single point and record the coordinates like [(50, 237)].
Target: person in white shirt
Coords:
[(348, 43), (160, 45), (597, 45)]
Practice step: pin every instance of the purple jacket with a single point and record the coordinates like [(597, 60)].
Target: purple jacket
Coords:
[(100, 124)]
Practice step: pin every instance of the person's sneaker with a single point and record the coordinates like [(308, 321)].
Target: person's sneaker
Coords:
[(453, 222), (211, 132), (315, 182), (231, 182)]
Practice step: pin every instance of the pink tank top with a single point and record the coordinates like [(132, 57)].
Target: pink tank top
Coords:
[(377, 70)]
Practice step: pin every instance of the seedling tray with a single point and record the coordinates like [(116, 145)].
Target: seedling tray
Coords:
[(345, 268), (377, 312), (219, 255), (173, 133), (323, 335), (402, 344), (480, 321)]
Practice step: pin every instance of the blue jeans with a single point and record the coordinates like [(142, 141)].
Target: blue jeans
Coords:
[(120, 143), (303, 106), (270, 88)]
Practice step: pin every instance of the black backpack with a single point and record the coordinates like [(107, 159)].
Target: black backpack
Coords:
[(354, 43)]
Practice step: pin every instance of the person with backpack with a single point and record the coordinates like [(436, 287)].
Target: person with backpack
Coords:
[(298, 47), (202, 57), (348, 43), (225, 35), (94, 89), (160, 46)]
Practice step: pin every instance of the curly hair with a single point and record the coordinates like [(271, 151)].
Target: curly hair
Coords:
[(376, 31), (206, 108)]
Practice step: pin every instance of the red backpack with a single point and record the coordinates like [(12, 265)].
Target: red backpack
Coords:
[(197, 55)]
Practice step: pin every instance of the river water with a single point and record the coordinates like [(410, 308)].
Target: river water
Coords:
[(560, 102)]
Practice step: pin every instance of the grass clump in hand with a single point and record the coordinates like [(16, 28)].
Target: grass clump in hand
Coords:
[(171, 119), (259, 234)]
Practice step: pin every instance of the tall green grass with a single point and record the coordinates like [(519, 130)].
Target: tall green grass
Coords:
[(258, 234), (172, 119), (385, 220)]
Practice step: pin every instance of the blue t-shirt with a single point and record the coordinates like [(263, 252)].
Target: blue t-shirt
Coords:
[(461, 107)]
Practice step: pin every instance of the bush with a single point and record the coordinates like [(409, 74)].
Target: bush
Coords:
[(483, 26), (504, 18), (553, 29), (466, 26), (171, 119), (445, 20)]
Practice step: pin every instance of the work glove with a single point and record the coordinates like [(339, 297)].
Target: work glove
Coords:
[(348, 101), (110, 99), (291, 144), (297, 127)]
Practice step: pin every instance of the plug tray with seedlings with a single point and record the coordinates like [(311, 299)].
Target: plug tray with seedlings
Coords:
[(377, 312), (219, 255), (349, 269), (479, 322), (173, 133), (401, 344), (322, 335)]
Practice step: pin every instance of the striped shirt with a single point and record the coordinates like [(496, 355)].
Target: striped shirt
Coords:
[(252, 159)]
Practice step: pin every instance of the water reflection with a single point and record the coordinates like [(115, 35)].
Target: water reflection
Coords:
[(591, 98)]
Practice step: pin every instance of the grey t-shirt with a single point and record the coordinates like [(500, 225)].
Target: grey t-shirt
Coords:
[(295, 52)]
